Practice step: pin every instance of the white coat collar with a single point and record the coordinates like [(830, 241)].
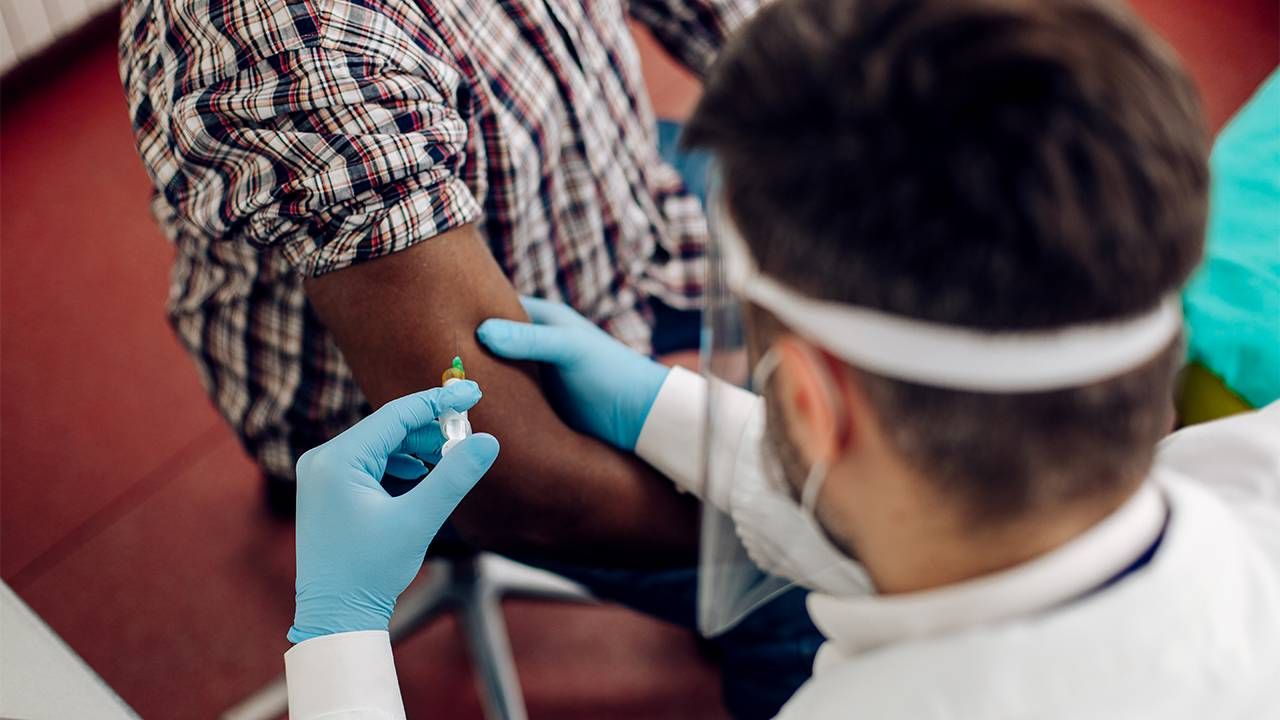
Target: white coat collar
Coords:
[(857, 624)]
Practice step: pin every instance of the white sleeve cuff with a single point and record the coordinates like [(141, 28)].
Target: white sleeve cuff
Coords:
[(672, 439), (346, 676)]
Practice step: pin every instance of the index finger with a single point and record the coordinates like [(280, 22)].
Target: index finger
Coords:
[(368, 443)]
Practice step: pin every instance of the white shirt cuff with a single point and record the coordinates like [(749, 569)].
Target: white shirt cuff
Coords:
[(673, 436), (343, 676)]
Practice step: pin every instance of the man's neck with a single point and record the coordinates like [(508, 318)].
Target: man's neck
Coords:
[(929, 546)]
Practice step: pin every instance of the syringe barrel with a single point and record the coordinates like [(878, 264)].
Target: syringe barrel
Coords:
[(454, 425)]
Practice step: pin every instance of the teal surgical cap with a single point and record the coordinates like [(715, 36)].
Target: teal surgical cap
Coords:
[(1232, 305)]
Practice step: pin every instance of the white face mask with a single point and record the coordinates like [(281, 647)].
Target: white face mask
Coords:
[(784, 537)]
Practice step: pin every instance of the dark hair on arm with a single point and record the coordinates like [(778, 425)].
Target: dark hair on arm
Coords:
[(995, 164)]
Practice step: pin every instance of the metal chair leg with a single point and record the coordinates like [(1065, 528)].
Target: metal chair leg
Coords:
[(271, 701), (415, 608), (420, 605), (509, 578), (485, 629), (474, 586)]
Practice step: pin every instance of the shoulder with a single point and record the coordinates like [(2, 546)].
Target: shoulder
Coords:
[(205, 41), (1235, 462), (1115, 654), (959, 676), (1240, 447)]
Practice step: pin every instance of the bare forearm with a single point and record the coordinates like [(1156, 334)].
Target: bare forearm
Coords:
[(400, 319)]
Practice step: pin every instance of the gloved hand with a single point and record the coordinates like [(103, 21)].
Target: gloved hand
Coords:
[(358, 547), (605, 388)]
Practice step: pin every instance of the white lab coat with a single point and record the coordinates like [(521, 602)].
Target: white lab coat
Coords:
[(1194, 633)]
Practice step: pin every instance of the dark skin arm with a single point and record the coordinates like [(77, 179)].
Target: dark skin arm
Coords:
[(553, 492)]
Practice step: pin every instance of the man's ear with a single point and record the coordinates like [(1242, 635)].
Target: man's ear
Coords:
[(814, 392)]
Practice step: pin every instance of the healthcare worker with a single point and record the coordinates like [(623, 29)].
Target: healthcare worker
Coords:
[(947, 243)]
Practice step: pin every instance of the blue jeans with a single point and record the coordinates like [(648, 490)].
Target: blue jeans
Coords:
[(763, 660)]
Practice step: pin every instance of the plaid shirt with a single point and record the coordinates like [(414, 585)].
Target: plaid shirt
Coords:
[(291, 139)]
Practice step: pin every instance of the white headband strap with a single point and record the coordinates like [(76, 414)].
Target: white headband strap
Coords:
[(952, 357)]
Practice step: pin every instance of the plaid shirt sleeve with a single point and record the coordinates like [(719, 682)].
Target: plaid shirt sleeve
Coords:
[(321, 130), (693, 30)]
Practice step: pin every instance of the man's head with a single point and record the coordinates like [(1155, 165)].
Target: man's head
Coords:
[(990, 164)]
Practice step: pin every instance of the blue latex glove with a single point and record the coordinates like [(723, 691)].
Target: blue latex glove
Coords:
[(358, 547), (605, 388)]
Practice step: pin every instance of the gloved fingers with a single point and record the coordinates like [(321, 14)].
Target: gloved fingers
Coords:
[(524, 341), (425, 442), (405, 466), (550, 312), (435, 498), (368, 443)]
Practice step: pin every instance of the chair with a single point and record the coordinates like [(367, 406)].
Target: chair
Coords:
[(473, 585)]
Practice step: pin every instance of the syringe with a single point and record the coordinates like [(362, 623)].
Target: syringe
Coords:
[(454, 425)]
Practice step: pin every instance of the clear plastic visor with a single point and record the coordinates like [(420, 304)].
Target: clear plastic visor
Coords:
[(730, 584)]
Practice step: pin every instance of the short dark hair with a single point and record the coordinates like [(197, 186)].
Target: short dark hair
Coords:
[(994, 164)]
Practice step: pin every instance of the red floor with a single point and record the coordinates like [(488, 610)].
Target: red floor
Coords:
[(129, 517)]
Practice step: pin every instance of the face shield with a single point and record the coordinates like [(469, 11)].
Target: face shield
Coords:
[(759, 534), (730, 583)]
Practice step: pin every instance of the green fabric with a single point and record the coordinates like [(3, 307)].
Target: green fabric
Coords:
[(1232, 304), (1202, 397)]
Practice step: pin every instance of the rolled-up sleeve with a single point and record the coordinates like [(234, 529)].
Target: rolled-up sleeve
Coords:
[(330, 134)]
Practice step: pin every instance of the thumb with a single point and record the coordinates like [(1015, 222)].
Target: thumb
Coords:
[(435, 498), (524, 341)]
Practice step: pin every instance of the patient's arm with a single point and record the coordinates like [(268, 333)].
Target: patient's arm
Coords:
[(401, 318)]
